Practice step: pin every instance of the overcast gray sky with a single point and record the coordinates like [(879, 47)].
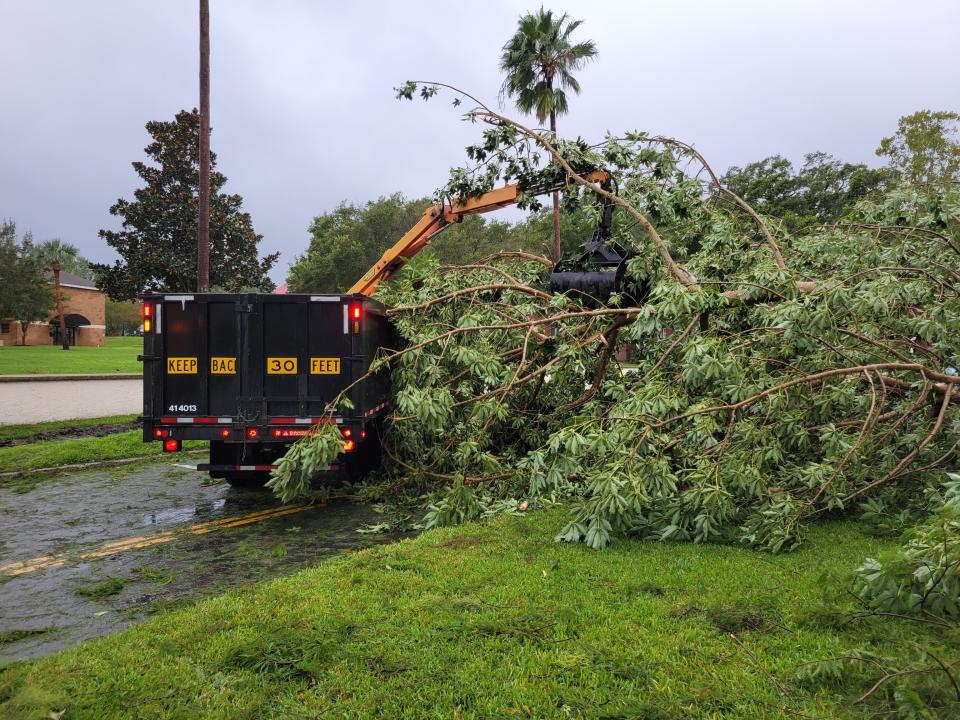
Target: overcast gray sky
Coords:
[(304, 116)]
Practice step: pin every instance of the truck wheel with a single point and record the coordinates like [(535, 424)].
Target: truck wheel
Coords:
[(356, 467), (222, 453), (366, 459), (247, 480)]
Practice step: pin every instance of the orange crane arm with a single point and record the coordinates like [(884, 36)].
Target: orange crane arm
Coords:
[(435, 219)]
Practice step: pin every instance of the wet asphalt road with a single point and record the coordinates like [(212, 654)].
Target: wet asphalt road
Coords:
[(156, 536)]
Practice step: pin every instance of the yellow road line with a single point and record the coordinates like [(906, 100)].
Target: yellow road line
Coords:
[(144, 541)]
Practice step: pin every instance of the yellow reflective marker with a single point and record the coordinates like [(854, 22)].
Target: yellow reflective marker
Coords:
[(181, 366), (223, 366), (144, 541), (281, 366), (324, 366)]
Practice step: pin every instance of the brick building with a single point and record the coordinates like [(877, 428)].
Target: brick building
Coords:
[(84, 313)]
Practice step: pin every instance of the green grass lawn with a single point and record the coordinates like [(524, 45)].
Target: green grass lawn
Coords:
[(118, 355), (496, 620), (54, 453)]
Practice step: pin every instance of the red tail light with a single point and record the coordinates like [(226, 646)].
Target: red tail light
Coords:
[(349, 446), (278, 432), (356, 314), (171, 445), (225, 433), (160, 433), (253, 433), (147, 312), (363, 434), (347, 432)]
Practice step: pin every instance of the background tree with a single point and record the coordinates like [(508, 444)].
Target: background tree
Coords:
[(123, 317), (925, 150), (344, 243), (539, 61), (25, 294), (158, 240), (819, 193), (65, 253), (348, 240)]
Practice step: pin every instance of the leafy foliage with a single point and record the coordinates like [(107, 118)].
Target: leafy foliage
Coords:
[(924, 576), (25, 294), (539, 61), (926, 147), (913, 683), (291, 478), (820, 192), (158, 242), (344, 243), (67, 254), (776, 376), (122, 317)]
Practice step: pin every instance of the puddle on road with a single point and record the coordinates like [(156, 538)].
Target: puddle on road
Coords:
[(77, 601), (184, 514)]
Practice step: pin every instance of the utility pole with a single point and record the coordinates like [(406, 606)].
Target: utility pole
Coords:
[(55, 266), (203, 229)]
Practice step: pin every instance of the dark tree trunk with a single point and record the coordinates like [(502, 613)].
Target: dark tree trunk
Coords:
[(58, 298), (203, 229), (556, 200)]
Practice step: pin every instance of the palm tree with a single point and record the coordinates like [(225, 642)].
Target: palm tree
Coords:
[(539, 61), (67, 254)]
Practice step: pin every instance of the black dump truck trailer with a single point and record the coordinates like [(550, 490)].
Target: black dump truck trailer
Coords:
[(253, 373)]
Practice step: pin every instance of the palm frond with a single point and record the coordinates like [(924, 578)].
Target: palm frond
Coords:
[(539, 61)]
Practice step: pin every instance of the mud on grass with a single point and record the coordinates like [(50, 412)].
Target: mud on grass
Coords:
[(56, 453), (11, 636), (66, 429), (103, 589), (513, 626)]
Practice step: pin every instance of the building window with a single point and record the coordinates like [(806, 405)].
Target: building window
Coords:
[(4, 328)]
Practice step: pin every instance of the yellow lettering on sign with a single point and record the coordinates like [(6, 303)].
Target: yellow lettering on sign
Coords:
[(324, 366), (223, 366), (281, 366), (181, 366)]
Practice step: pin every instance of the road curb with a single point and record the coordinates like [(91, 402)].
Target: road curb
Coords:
[(68, 378)]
